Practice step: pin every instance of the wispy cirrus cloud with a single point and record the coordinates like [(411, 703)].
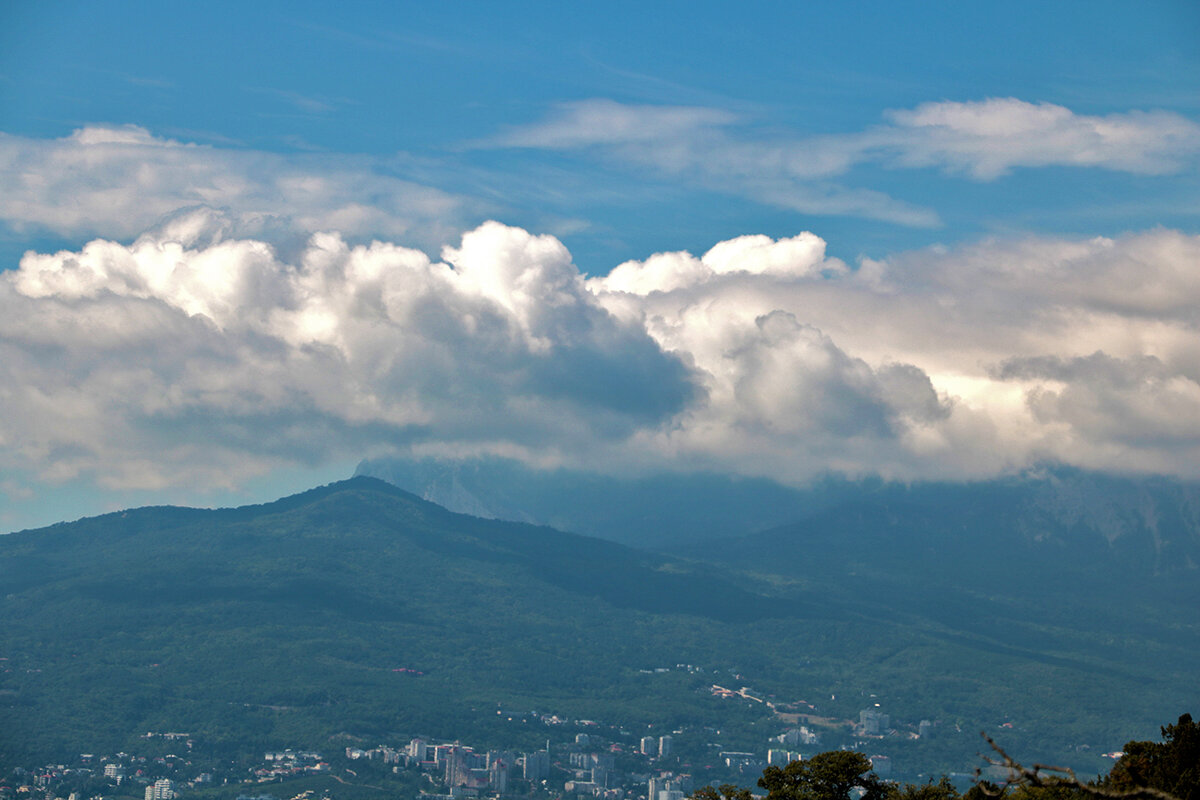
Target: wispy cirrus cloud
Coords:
[(302, 102), (701, 146), (983, 140), (118, 181)]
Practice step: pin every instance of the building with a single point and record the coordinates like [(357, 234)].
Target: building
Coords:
[(498, 772), (669, 786), (457, 768), (649, 746), (873, 722), (664, 746), (161, 789), (794, 737), (537, 765)]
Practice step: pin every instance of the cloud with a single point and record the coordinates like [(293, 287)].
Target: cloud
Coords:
[(935, 364), (983, 140), (701, 146), (799, 256), (119, 181), (988, 138), (605, 122), (1138, 403), (302, 102), (191, 358), (157, 363)]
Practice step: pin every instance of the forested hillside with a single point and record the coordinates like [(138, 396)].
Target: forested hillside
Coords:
[(359, 607)]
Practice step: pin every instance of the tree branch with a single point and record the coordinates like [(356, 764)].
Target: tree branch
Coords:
[(1047, 776)]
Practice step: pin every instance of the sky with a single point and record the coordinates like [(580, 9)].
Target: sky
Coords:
[(245, 245)]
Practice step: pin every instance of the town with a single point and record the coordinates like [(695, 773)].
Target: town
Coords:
[(579, 758)]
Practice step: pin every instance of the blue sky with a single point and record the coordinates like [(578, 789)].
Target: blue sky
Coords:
[(413, 84), (1006, 199)]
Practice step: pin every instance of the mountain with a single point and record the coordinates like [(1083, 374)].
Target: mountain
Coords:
[(1153, 520), (360, 609), (168, 618), (1080, 549), (1065, 564), (645, 511)]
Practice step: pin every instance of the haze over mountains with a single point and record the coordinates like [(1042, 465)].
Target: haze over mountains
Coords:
[(296, 621), (1155, 520)]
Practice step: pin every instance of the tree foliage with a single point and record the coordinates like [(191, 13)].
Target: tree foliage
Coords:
[(826, 776), (1172, 765), (1166, 770), (726, 791), (942, 790)]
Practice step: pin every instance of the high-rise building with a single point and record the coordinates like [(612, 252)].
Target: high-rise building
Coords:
[(498, 775), (161, 789), (649, 747), (664, 746), (537, 765), (457, 769)]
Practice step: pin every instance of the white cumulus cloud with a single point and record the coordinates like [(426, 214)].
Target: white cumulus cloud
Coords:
[(189, 358), (798, 256), (938, 363), (162, 362)]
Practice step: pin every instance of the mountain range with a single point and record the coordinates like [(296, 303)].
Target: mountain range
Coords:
[(1149, 517), (361, 609)]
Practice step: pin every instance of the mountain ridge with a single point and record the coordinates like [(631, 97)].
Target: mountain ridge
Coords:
[(360, 606), (683, 513)]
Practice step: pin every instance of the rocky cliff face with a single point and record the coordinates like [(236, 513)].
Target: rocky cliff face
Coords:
[(1156, 517)]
